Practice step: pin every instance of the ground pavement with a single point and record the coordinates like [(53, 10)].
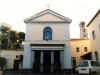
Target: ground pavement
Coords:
[(29, 73), (36, 74)]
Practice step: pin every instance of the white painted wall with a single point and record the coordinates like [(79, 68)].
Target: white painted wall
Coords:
[(11, 55), (34, 31), (34, 34)]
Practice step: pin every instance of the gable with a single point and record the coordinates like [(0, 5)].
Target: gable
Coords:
[(47, 16)]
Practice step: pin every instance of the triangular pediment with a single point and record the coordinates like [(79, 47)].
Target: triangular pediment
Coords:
[(47, 16)]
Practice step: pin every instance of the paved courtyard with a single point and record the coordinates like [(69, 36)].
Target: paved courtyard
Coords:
[(36, 74), (33, 74), (10, 72)]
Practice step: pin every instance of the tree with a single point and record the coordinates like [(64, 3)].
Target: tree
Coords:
[(4, 27), (21, 37), (2, 63), (10, 39), (13, 37), (4, 36), (4, 44)]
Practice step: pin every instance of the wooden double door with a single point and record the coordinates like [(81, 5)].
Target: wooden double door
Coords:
[(46, 61)]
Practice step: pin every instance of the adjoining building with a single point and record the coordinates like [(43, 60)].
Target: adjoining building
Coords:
[(80, 47), (94, 35)]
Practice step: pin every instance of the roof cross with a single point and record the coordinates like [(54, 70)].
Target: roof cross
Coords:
[(48, 6)]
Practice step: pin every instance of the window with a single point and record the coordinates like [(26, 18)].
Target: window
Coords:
[(99, 26), (47, 33), (84, 64), (7, 57), (93, 63), (84, 31), (85, 49), (93, 35), (96, 55), (77, 49)]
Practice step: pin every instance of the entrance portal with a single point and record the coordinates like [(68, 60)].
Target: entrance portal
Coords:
[(47, 66), (47, 61)]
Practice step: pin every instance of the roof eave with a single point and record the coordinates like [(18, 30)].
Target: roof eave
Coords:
[(93, 18)]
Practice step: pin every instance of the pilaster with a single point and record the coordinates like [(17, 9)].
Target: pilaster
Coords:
[(52, 61), (32, 58), (67, 57), (62, 59), (41, 62), (27, 57)]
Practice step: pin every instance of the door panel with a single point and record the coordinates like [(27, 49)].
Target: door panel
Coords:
[(36, 64), (47, 62), (57, 62)]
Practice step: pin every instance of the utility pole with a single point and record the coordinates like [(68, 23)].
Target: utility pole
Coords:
[(0, 44)]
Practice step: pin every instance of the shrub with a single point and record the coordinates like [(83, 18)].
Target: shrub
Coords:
[(2, 63)]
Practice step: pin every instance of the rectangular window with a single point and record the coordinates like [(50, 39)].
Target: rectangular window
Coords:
[(85, 49), (83, 64), (93, 35), (77, 49)]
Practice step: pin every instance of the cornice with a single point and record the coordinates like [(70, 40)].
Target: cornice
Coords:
[(47, 22)]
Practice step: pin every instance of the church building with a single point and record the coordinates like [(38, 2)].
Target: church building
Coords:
[(48, 47), (47, 42)]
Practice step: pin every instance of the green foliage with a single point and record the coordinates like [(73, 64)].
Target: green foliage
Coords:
[(21, 37), (2, 63), (17, 46), (5, 27), (10, 38), (4, 44), (13, 36)]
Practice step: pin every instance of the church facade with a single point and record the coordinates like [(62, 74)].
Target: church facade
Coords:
[(48, 46), (47, 42)]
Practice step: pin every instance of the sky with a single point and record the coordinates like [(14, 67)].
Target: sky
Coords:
[(13, 12)]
